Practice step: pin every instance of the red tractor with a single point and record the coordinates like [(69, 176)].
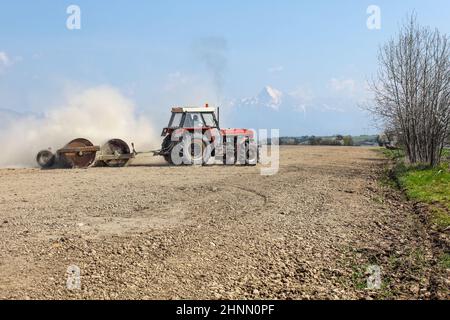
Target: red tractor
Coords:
[(194, 136)]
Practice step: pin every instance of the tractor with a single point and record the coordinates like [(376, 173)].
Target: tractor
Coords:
[(193, 136)]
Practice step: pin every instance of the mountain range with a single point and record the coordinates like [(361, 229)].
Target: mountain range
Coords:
[(297, 114)]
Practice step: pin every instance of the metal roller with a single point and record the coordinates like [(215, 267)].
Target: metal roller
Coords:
[(45, 159), (79, 153), (115, 153)]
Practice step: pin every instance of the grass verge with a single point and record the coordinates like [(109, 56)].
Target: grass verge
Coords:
[(424, 184), (432, 187)]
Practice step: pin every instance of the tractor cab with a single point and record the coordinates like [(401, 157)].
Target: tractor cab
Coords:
[(191, 118), (181, 139)]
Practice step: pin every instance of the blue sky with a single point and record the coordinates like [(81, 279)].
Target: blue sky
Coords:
[(164, 53)]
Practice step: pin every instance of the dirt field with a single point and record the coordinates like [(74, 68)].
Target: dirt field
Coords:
[(159, 232)]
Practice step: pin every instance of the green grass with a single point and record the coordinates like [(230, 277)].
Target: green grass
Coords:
[(394, 154), (440, 218), (424, 184), (358, 279), (427, 185), (446, 153), (444, 260)]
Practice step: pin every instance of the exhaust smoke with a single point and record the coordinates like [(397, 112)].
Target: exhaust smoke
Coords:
[(212, 52)]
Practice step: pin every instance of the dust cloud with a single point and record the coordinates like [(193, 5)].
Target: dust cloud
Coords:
[(97, 114)]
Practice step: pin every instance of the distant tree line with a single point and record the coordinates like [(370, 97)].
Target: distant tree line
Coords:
[(337, 140)]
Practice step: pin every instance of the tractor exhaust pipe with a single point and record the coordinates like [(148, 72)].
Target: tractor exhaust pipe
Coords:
[(218, 116)]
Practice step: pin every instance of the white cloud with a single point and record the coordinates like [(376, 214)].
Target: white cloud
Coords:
[(347, 86), (303, 95), (302, 99), (5, 61), (301, 108), (275, 69), (327, 107)]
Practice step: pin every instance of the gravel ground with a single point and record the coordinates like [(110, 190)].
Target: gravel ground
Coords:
[(159, 232)]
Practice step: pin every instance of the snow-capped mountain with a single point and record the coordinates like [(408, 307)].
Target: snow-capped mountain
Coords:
[(293, 113), (268, 97)]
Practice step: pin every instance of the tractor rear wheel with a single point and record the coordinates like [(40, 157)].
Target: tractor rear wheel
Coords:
[(195, 152), (190, 151)]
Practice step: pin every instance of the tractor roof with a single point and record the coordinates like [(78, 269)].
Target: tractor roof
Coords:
[(192, 109)]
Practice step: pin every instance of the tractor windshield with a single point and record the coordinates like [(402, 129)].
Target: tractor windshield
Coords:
[(193, 120), (209, 120), (175, 121)]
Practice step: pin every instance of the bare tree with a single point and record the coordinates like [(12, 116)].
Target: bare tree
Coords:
[(412, 90)]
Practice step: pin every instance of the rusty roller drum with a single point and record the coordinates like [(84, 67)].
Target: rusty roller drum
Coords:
[(118, 151), (79, 153)]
